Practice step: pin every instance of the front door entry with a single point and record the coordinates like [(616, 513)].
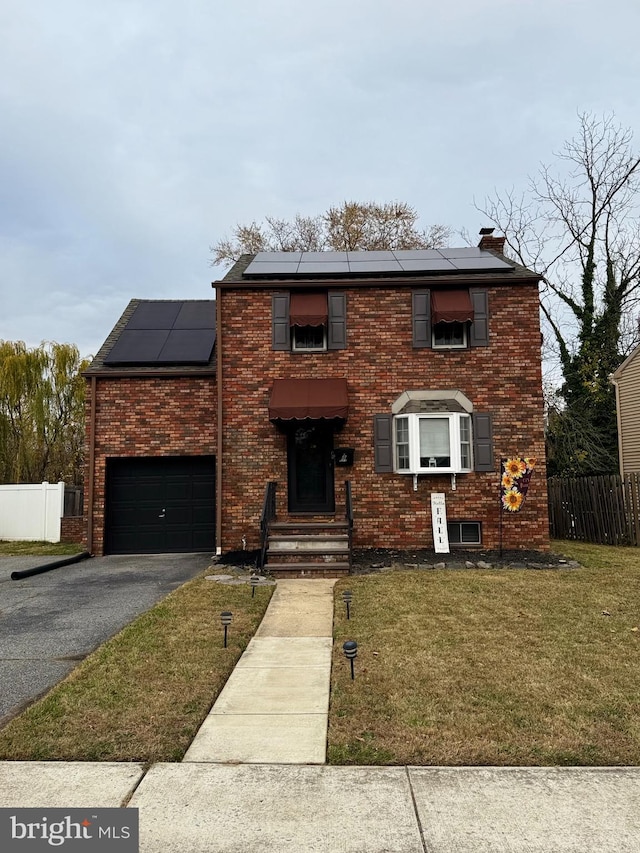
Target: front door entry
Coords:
[(310, 468)]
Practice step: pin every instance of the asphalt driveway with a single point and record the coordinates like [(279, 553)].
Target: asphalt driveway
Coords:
[(50, 622)]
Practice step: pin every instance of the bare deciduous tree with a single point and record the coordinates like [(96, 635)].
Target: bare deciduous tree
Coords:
[(352, 226), (578, 225)]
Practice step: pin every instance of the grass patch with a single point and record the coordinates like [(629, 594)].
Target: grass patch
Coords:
[(143, 694), (496, 667), (39, 549)]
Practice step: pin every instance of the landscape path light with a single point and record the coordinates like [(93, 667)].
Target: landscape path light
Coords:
[(350, 649), (347, 597), (255, 580), (225, 617)]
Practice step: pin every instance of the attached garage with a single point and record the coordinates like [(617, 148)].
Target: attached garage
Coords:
[(160, 505)]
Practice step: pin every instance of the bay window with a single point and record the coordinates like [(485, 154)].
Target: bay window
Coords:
[(432, 443)]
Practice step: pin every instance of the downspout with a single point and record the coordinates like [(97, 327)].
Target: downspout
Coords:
[(219, 466), (614, 381), (92, 456)]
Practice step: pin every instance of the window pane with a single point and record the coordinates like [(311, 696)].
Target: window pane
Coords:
[(465, 441), (449, 335), (402, 457), (402, 444), (309, 337), (453, 529), (471, 533), (402, 430), (435, 449)]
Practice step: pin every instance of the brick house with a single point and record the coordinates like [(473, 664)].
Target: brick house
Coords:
[(403, 374)]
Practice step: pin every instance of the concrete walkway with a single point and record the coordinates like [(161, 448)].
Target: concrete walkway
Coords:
[(274, 707)]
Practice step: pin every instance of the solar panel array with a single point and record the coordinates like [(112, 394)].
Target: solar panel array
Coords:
[(165, 333), (296, 264)]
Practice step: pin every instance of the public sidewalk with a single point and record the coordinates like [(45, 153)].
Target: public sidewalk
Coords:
[(218, 808), (274, 707)]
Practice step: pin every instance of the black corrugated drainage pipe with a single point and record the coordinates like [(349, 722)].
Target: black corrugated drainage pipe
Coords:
[(36, 570)]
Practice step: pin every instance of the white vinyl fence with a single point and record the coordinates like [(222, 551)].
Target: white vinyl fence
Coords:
[(31, 513)]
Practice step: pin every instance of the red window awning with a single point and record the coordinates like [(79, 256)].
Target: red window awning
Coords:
[(451, 306), (308, 399), (308, 309)]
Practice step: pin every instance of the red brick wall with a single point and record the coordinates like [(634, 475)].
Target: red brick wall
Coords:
[(379, 364), (72, 529), (158, 416)]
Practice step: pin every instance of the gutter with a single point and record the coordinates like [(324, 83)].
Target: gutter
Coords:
[(91, 463), (219, 381), (614, 382)]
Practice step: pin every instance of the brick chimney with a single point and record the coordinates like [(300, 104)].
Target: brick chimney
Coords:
[(488, 241)]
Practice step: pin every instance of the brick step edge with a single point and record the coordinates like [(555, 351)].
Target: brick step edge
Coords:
[(323, 570), (306, 555), (319, 541), (308, 529)]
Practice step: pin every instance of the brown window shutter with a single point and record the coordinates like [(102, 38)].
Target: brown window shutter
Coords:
[(337, 322), (421, 304), (482, 442), (479, 334), (280, 332), (383, 444)]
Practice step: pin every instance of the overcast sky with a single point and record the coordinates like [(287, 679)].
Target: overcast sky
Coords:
[(136, 133)]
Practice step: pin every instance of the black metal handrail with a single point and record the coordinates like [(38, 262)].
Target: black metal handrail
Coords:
[(348, 514), (268, 515)]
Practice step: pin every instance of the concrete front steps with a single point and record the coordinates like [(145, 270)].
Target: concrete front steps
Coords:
[(308, 549)]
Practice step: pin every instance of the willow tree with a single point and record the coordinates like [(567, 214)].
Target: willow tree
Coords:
[(579, 225), (41, 413), (351, 226)]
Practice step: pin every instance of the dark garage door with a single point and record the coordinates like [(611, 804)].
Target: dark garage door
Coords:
[(160, 505)]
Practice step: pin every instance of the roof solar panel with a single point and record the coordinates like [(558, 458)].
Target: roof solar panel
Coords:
[(200, 314), (323, 269), (277, 268), (316, 264), (184, 333), (323, 257), (485, 264), (463, 252), (416, 254), (277, 257), (434, 265), (187, 346), (137, 346), (154, 315), (376, 255), (374, 266)]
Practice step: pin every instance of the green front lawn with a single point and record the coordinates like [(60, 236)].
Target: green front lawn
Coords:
[(38, 549), (500, 667)]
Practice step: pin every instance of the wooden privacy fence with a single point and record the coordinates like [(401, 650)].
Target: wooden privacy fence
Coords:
[(73, 499), (605, 510)]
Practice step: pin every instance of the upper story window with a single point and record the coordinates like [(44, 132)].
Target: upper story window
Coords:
[(309, 338), (309, 321), (450, 319), (449, 335)]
